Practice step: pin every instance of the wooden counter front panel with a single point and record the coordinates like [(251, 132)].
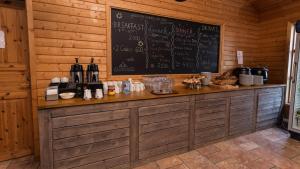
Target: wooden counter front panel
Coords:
[(163, 129), (91, 140), (210, 120), (269, 106), (241, 113), (127, 134)]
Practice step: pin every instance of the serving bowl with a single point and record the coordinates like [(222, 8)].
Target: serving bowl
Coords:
[(65, 96)]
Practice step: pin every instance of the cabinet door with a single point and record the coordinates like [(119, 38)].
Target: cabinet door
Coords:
[(210, 120), (91, 140), (269, 106), (241, 114), (163, 129)]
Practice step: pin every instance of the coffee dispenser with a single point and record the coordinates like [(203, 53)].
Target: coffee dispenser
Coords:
[(92, 77), (92, 72), (76, 73)]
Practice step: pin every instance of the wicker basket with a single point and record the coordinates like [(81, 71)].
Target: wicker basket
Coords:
[(225, 82)]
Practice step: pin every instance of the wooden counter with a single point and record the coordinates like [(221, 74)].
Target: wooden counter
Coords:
[(124, 131), (145, 95)]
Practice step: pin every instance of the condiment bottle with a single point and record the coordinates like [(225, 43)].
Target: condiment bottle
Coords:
[(111, 90)]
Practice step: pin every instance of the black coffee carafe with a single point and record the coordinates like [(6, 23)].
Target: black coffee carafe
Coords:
[(92, 72), (76, 73)]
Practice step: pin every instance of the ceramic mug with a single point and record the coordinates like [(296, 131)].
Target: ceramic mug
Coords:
[(87, 94), (55, 80), (64, 80), (99, 94)]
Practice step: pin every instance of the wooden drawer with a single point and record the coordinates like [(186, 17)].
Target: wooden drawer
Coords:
[(241, 114), (270, 90), (269, 107), (210, 109), (210, 103), (91, 140), (144, 111), (163, 129), (66, 121), (210, 120), (209, 135)]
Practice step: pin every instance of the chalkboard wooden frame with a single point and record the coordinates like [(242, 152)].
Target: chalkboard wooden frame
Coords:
[(138, 8)]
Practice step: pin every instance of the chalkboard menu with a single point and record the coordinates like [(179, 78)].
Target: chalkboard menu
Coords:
[(147, 44)]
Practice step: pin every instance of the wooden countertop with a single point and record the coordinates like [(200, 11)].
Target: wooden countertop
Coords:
[(145, 95)]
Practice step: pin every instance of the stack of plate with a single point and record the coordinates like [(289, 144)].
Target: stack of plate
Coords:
[(246, 80), (258, 80)]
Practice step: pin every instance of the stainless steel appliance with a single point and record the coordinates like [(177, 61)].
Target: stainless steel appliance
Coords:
[(92, 77), (241, 70), (261, 71), (294, 117), (76, 74), (92, 73)]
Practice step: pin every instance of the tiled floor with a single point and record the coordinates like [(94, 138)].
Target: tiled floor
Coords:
[(267, 149)]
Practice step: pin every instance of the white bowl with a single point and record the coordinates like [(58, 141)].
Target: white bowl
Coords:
[(67, 95)]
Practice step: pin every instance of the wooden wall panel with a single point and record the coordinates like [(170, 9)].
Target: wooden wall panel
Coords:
[(273, 35), (67, 29), (15, 107)]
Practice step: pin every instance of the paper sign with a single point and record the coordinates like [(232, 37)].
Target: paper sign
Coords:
[(240, 57), (2, 39)]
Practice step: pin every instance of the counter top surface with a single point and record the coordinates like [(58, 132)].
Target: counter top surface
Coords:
[(182, 91)]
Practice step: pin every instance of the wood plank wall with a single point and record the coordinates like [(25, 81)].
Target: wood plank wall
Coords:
[(273, 35), (65, 29), (15, 107)]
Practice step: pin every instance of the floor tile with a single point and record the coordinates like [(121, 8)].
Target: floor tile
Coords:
[(259, 164), (231, 163), (278, 161), (169, 162), (182, 166), (194, 160), (296, 159), (207, 150), (249, 146), (152, 165), (218, 156), (4, 164)]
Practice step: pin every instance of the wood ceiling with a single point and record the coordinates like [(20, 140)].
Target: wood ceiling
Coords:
[(13, 3), (262, 5)]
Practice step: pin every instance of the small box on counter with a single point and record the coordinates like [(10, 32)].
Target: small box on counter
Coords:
[(52, 93)]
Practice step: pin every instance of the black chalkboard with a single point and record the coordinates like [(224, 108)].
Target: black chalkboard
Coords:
[(147, 44)]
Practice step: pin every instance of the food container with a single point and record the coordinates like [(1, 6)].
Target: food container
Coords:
[(205, 81), (258, 80), (246, 80), (207, 75), (159, 84), (111, 90)]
